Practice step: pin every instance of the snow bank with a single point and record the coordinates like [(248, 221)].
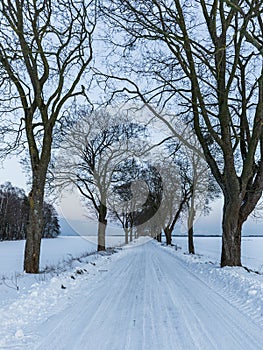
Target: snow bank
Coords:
[(44, 295), (242, 288)]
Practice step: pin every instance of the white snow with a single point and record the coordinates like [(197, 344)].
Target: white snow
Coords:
[(145, 296), (252, 249), (53, 251)]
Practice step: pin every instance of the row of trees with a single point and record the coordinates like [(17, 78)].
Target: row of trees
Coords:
[(210, 67), (206, 69), (14, 210), (123, 174)]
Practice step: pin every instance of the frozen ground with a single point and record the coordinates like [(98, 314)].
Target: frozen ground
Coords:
[(146, 296)]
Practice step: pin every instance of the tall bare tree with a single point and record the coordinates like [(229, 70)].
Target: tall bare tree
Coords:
[(123, 203), (99, 142), (199, 57), (45, 49)]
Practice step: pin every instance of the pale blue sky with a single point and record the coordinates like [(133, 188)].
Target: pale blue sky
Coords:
[(10, 170), (70, 208)]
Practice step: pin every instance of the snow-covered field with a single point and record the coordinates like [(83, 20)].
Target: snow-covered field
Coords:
[(252, 249), (53, 251), (146, 296)]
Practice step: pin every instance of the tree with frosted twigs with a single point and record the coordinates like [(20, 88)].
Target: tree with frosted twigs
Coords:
[(138, 193), (210, 67), (99, 141), (124, 200), (45, 51)]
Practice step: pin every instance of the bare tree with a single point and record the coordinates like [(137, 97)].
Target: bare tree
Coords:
[(206, 66), (124, 201), (175, 195), (199, 188), (45, 49), (148, 197), (172, 184), (98, 143)]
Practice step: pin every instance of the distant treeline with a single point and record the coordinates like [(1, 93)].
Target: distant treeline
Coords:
[(14, 208)]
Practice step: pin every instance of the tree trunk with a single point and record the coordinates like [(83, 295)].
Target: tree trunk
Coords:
[(102, 227), (191, 247), (126, 230), (190, 227), (101, 235), (131, 230), (169, 229), (39, 166), (159, 237), (34, 228), (168, 235), (231, 238)]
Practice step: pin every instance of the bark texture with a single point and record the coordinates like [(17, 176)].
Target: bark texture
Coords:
[(34, 232), (102, 227)]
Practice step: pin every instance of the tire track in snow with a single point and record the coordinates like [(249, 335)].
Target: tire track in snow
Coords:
[(188, 328), (224, 283), (147, 299), (228, 327), (98, 321)]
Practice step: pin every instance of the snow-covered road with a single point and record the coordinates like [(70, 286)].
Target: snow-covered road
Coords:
[(142, 298), (148, 299)]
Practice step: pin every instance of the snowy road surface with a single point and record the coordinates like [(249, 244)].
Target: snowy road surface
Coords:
[(145, 298)]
